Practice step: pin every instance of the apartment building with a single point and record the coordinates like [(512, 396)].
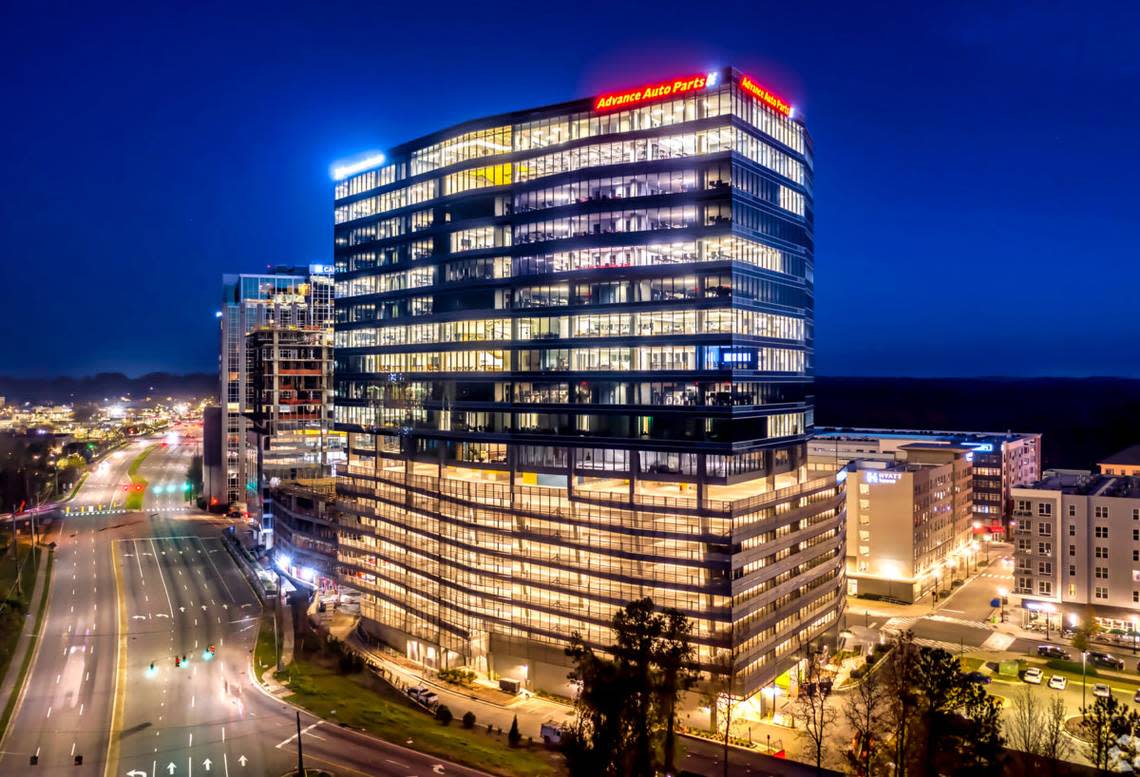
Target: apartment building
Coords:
[(1077, 544), (909, 522), (1125, 462), (574, 363)]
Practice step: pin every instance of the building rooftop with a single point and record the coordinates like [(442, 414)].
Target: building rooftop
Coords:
[(933, 435), (936, 446), (1083, 483), (1130, 455)]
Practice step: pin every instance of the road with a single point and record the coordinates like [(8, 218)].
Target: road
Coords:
[(135, 588)]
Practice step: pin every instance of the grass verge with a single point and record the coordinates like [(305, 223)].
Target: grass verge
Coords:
[(27, 661), (363, 702), (265, 651), (135, 497)]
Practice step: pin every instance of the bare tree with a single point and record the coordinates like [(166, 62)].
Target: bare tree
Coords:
[(865, 711), (1025, 726), (719, 696), (903, 716), (1055, 743), (812, 706)]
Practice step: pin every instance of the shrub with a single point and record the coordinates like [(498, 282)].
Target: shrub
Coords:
[(463, 677), (469, 720), (443, 714), (513, 736)]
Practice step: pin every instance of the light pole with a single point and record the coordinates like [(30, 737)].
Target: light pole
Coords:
[(1002, 592), (1084, 657), (1134, 636)]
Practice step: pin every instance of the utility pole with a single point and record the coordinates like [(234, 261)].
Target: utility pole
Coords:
[(16, 555), (300, 758)]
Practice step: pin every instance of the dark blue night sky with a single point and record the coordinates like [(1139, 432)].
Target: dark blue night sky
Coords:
[(976, 164)]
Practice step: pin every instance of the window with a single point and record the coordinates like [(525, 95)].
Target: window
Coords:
[(1045, 587), (1100, 573), (1072, 530), (1135, 597), (1100, 592), (1136, 535), (1072, 511), (1136, 555), (1044, 508), (1100, 552), (1100, 532), (1100, 511), (1044, 548), (1044, 529), (1072, 550), (1023, 505), (1044, 567), (1072, 570), (1136, 513)]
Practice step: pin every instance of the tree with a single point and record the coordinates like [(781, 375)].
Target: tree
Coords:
[(1025, 726), (1089, 627), (627, 704), (811, 705), (469, 719), (980, 744), (902, 710), (674, 654), (939, 682), (720, 698), (513, 736), (1055, 743), (638, 629), (443, 714), (1103, 725), (865, 711)]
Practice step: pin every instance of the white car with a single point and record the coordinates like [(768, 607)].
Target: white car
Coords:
[(1101, 690), (1032, 675), (1058, 683)]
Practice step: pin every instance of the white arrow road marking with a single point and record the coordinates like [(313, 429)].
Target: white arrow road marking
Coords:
[(206, 763), (242, 759), (170, 767), (437, 768), (136, 773)]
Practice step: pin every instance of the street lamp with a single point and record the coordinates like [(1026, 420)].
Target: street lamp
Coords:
[(1084, 657), (1134, 636), (1002, 593)]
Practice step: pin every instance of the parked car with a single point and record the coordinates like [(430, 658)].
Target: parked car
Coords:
[(1136, 696), (1107, 660), (429, 699), (1051, 651), (551, 732), (977, 677), (1032, 675), (1057, 682), (416, 691), (1102, 690)]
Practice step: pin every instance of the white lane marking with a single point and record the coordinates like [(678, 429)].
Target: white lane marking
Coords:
[(305, 730), (80, 709), (162, 577), (48, 712)]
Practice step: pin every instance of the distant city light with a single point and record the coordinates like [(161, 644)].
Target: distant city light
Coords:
[(340, 172)]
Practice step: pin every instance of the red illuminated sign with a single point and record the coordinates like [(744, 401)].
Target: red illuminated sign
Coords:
[(654, 91), (764, 96)]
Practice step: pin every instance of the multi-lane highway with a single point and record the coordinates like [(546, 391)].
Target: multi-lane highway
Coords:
[(131, 592)]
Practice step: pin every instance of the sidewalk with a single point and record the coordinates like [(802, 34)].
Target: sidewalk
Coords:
[(27, 638)]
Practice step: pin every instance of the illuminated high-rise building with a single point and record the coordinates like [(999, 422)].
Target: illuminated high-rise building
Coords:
[(574, 361), (275, 365)]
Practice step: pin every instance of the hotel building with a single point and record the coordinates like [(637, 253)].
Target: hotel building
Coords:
[(574, 362), (1077, 544), (908, 522), (1001, 460)]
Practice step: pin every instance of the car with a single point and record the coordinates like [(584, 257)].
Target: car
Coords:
[(1107, 660), (1032, 675), (978, 677), (1136, 696), (429, 699), (1057, 682), (1051, 651), (1102, 691), (415, 692)]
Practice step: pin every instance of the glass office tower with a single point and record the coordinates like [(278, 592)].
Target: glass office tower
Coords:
[(574, 361)]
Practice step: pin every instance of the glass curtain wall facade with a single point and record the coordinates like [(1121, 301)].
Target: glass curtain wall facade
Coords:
[(254, 308), (574, 361)]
